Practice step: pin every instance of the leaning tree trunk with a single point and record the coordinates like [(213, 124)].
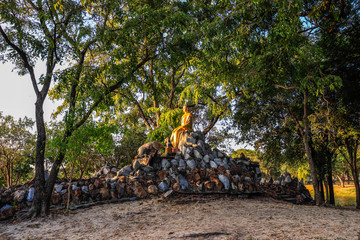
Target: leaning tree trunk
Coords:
[(305, 137), (39, 160), (315, 183), (54, 172)]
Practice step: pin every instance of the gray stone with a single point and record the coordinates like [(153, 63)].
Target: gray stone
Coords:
[(226, 165), (85, 189), (63, 191), (74, 187), (224, 179), (282, 182), (168, 193), (165, 164), (163, 186), (114, 170), (287, 179), (197, 154), (202, 145), (190, 151), (136, 165), (58, 188), (248, 179), (218, 162), (200, 187), (237, 177), (167, 181), (19, 195), (203, 164), (220, 154), (183, 151), (178, 155), (182, 163), (105, 170), (191, 163), (213, 164), (147, 168), (187, 156), (174, 163), (184, 184), (206, 158), (125, 171)]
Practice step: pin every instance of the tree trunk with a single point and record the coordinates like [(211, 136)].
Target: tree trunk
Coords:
[(321, 185), (305, 135), (39, 159), (355, 174), (331, 187), (54, 173), (342, 182), (326, 185)]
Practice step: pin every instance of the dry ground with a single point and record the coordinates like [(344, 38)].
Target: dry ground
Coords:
[(192, 217)]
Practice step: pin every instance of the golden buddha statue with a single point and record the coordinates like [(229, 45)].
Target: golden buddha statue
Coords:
[(186, 125)]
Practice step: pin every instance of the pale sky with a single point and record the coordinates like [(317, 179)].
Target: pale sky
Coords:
[(17, 96)]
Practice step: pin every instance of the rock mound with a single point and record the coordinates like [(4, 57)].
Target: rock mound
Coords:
[(195, 168)]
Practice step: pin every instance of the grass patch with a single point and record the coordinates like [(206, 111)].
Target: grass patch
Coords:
[(344, 196)]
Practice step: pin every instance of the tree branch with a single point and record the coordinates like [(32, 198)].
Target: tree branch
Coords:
[(23, 57)]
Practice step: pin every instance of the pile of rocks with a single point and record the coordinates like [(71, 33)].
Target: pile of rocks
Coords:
[(286, 188), (195, 168)]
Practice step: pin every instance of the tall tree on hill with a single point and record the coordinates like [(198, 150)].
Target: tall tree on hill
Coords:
[(34, 31)]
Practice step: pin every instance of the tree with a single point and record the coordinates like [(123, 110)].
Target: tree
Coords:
[(338, 34), (36, 31), (16, 148), (276, 66)]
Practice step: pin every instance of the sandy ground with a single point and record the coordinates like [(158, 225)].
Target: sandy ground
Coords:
[(192, 217)]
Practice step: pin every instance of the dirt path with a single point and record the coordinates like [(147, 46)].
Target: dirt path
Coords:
[(193, 217)]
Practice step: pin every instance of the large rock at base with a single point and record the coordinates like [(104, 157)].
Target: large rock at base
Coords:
[(104, 193), (55, 198), (19, 195), (225, 180), (140, 192), (6, 212), (152, 189)]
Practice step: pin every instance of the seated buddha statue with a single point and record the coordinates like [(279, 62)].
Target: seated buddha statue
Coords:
[(186, 125)]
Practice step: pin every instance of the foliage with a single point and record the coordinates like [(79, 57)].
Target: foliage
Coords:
[(16, 149), (127, 144)]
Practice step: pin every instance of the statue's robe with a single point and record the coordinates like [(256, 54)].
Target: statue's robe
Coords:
[(186, 125)]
